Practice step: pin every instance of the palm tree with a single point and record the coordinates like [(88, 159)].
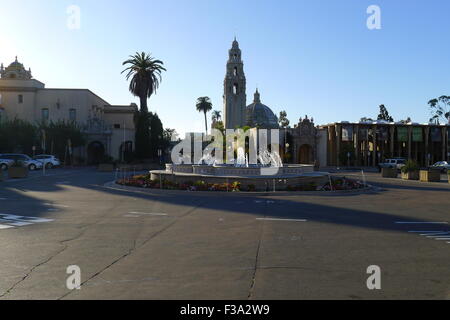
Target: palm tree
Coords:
[(145, 73), (204, 105), (216, 115)]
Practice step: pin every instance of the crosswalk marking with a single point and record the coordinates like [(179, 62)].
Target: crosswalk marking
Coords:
[(440, 235), (8, 221)]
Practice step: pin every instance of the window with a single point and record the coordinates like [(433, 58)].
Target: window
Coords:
[(116, 126), (44, 114), (235, 72), (73, 114), (235, 88), (20, 98)]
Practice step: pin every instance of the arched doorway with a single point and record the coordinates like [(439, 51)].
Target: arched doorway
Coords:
[(126, 151), (305, 155), (95, 152)]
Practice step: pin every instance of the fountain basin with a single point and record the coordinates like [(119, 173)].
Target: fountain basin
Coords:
[(230, 170), (260, 178)]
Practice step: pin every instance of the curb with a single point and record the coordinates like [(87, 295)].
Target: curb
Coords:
[(113, 185)]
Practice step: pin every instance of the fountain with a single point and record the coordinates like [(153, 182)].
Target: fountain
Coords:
[(269, 170)]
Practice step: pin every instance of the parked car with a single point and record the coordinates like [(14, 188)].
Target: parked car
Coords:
[(444, 166), (48, 161), (5, 163), (26, 160), (393, 163)]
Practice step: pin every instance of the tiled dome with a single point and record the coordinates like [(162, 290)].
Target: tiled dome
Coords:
[(260, 115)]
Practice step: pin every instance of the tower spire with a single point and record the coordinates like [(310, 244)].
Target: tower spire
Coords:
[(257, 97)]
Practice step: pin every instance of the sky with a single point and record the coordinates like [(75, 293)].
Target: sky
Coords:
[(315, 58)]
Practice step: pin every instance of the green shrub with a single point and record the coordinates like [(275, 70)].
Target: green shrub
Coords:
[(410, 166), (236, 186)]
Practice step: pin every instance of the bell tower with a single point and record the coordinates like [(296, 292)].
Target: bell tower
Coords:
[(234, 97)]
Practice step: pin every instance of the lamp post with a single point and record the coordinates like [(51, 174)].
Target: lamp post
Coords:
[(160, 156)]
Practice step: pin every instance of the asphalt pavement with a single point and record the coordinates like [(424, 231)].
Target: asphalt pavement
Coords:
[(159, 244)]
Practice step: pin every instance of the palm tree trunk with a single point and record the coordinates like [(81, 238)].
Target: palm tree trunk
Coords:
[(143, 100), (206, 124)]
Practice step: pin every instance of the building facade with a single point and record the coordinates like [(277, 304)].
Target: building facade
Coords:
[(109, 128), (369, 143)]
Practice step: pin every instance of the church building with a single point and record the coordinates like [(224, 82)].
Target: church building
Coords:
[(235, 110)]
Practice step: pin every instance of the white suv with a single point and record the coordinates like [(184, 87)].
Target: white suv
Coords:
[(48, 161), (393, 163), (23, 158)]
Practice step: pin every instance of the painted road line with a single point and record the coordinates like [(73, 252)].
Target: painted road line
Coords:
[(421, 222), (14, 217), (277, 219), (426, 231), (15, 223), (56, 205), (148, 213), (3, 199), (437, 235)]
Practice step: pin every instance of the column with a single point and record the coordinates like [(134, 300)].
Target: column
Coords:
[(358, 146), (338, 143), (375, 144), (427, 136), (409, 142), (444, 143), (392, 140)]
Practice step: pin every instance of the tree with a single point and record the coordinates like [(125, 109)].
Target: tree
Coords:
[(216, 116), (408, 120), (58, 134), (145, 74), (440, 109), (204, 105), (17, 136), (218, 125), (156, 134), (384, 114), (142, 134), (283, 120)]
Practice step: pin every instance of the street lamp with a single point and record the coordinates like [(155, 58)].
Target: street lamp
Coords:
[(160, 156)]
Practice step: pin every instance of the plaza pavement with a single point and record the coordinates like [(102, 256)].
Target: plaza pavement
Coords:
[(186, 245)]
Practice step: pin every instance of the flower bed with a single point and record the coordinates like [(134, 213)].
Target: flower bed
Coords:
[(144, 181)]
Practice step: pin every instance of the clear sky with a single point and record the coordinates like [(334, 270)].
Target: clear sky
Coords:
[(311, 57)]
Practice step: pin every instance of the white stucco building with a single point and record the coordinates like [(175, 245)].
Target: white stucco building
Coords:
[(109, 128)]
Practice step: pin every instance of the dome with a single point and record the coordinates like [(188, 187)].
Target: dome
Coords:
[(15, 70), (260, 115)]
